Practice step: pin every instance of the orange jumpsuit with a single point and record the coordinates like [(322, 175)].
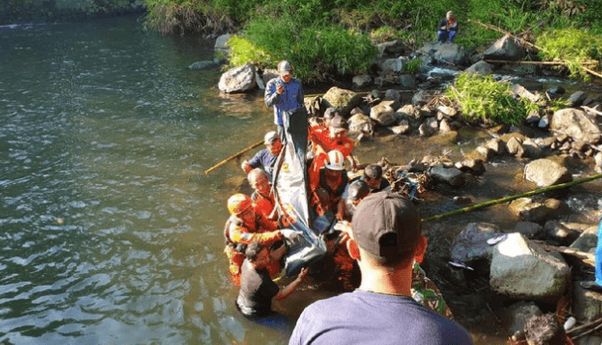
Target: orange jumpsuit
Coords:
[(263, 205), (345, 268), (237, 233), (320, 135)]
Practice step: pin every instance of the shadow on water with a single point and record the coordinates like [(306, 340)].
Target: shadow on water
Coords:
[(110, 233)]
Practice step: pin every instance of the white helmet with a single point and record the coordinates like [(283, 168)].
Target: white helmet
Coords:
[(336, 160)]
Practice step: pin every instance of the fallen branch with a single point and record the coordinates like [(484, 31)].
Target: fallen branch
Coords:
[(512, 197), (553, 63), (585, 326)]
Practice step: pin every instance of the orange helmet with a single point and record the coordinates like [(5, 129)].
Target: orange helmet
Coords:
[(239, 203)]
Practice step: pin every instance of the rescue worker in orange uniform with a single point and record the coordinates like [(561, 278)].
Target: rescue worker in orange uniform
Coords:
[(243, 227), (333, 178), (263, 198), (333, 137)]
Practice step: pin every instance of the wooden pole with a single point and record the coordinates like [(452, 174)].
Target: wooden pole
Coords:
[(236, 155), (511, 197)]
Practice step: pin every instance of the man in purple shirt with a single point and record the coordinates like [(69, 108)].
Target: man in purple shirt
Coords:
[(284, 93), (384, 240)]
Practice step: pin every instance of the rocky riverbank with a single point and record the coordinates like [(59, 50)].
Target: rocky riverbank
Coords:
[(529, 269)]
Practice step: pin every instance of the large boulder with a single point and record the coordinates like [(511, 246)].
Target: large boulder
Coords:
[(480, 67), (238, 79), (576, 124), (471, 243), (394, 65), (523, 270), (546, 172), (341, 99), (384, 113), (528, 229), (506, 48), (587, 305), (445, 53)]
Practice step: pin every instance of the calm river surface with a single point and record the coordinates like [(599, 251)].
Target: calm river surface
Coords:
[(109, 232)]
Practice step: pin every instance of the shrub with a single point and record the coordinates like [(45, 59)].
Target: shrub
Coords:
[(316, 52), (383, 34), (573, 46), (413, 66), (482, 98)]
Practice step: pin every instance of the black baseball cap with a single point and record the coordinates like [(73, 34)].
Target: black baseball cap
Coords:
[(386, 225)]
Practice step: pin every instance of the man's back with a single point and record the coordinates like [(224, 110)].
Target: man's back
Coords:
[(363, 317)]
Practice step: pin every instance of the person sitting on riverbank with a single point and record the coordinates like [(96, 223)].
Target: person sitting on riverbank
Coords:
[(284, 93), (243, 227), (266, 158), (448, 28), (373, 176), (257, 289), (385, 240), (263, 198)]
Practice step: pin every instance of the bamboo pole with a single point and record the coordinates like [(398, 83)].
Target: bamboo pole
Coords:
[(511, 197), (554, 63), (236, 155)]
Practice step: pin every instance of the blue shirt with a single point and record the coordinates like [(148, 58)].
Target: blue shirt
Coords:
[(291, 99), (366, 318), (264, 159)]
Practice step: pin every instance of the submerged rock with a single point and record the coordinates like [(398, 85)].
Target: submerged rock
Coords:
[(523, 270), (238, 79), (546, 172), (471, 243), (199, 65)]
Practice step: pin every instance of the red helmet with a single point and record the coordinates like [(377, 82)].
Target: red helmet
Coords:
[(239, 203)]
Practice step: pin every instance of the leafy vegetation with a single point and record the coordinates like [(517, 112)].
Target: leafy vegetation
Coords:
[(412, 66), (483, 99), (575, 47)]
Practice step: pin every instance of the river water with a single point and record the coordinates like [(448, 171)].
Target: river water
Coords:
[(109, 231)]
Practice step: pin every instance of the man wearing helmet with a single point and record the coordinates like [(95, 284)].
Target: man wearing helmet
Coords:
[(284, 93), (333, 137), (243, 227), (332, 178)]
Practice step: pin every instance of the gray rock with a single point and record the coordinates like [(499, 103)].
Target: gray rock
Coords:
[(407, 81), (555, 91), (471, 243), (505, 48), (384, 113), (406, 111), (421, 97), (515, 147), (546, 172), (577, 98), (444, 126), (587, 241), (589, 340), (587, 305), (577, 125), (480, 67), (563, 233), (528, 229), (472, 166), (402, 128), (531, 210), (522, 92), (361, 81), (429, 127), (447, 111), (485, 152), (533, 118), (544, 122), (221, 47), (394, 47), (520, 269), (394, 65), (531, 149), (497, 146), (451, 176), (341, 99), (392, 95), (515, 316), (387, 79), (432, 123), (598, 161), (269, 74), (360, 123), (238, 79), (199, 65)]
